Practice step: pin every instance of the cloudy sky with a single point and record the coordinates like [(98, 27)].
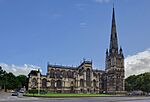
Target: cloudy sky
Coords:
[(35, 32)]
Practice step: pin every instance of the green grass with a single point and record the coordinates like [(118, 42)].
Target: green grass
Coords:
[(68, 95)]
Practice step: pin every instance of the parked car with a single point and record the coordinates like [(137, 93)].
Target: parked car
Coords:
[(22, 91), (15, 94)]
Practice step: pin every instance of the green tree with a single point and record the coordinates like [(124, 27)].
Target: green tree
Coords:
[(130, 83), (22, 81), (138, 82), (2, 78), (10, 81)]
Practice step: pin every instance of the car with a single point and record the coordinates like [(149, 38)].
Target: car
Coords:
[(15, 94), (22, 91)]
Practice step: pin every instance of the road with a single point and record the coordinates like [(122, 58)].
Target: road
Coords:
[(6, 97)]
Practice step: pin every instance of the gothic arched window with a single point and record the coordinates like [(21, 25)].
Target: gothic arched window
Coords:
[(81, 83), (94, 83), (52, 73), (81, 71), (70, 74), (44, 83), (65, 74), (34, 82), (58, 74), (88, 77), (52, 83), (59, 84)]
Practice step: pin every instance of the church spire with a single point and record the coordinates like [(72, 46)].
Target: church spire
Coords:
[(113, 39)]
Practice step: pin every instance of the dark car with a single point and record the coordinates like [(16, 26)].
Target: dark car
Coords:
[(15, 94)]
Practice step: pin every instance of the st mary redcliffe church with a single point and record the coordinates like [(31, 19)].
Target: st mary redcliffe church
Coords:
[(84, 78)]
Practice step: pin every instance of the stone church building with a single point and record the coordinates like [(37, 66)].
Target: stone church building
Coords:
[(84, 78)]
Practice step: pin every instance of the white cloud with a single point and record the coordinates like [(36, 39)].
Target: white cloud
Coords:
[(17, 70), (134, 64), (138, 63), (102, 1)]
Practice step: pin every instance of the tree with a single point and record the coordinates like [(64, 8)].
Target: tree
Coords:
[(2, 78), (22, 79), (10, 81), (138, 82)]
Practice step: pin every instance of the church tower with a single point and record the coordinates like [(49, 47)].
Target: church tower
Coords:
[(114, 65)]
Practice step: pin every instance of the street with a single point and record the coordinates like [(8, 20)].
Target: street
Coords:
[(6, 97)]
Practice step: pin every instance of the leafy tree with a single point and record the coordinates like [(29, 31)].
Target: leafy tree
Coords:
[(2, 77), (138, 82), (10, 81), (22, 79)]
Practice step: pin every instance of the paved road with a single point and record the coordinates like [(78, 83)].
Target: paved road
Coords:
[(6, 97)]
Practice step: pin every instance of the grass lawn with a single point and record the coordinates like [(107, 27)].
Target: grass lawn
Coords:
[(67, 95)]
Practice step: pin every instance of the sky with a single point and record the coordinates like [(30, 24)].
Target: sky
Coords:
[(64, 32)]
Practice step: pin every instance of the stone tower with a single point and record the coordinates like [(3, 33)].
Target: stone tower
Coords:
[(114, 63)]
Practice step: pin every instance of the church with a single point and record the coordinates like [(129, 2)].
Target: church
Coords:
[(84, 78)]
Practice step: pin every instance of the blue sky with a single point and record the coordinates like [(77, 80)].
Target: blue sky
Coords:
[(64, 32)]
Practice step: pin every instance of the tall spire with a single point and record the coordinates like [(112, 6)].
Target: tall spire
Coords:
[(113, 39)]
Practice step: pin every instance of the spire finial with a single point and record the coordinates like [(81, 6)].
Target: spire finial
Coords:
[(113, 5)]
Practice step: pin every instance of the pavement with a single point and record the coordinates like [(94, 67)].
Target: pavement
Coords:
[(6, 97)]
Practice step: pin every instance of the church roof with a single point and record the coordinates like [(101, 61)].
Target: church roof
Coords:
[(62, 67)]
